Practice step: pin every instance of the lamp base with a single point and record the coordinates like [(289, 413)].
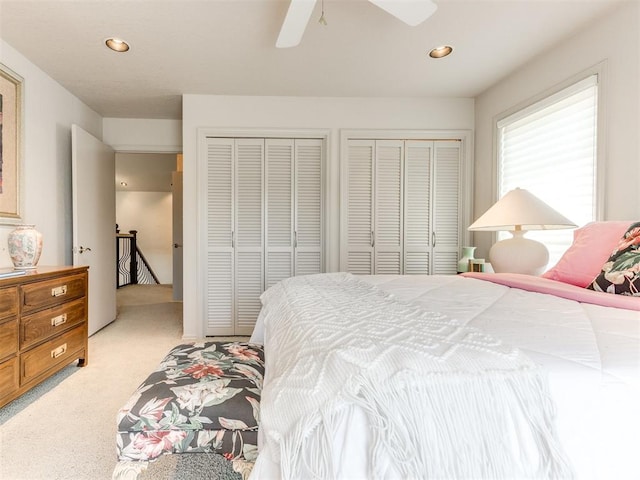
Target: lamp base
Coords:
[(519, 255)]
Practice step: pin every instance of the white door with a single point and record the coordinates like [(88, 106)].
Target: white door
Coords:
[(308, 217), (176, 205), (94, 221), (235, 239), (263, 218), (446, 209), (248, 233), (388, 225), (418, 238), (293, 208), (359, 208), (374, 207), (279, 172), (219, 269)]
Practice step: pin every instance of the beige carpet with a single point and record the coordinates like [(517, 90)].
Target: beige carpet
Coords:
[(65, 428)]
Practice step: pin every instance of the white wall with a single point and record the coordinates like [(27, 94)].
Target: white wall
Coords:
[(49, 112), (290, 113), (150, 213), (143, 135), (614, 39)]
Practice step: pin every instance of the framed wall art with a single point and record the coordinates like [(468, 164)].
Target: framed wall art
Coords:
[(10, 145)]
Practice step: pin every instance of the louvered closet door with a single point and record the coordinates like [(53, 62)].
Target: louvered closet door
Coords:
[(249, 247), (279, 161), (308, 206), (359, 208), (417, 207), (220, 309), (388, 222), (446, 213)]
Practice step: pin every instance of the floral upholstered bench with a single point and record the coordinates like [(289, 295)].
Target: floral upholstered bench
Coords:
[(203, 397)]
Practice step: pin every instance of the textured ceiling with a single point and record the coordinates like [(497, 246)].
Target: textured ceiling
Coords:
[(227, 47)]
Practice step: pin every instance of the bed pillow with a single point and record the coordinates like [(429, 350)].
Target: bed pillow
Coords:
[(592, 245), (621, 273)]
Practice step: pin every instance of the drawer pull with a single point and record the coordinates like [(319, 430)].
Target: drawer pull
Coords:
[(61, 350), (59, 291), (59, 320)]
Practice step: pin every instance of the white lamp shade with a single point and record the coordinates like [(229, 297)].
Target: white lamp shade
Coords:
[(521, 210)]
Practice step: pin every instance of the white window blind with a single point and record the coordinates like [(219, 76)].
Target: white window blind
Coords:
[(549, 148)]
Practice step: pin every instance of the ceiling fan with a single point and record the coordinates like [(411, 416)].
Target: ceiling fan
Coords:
[(411, 12)]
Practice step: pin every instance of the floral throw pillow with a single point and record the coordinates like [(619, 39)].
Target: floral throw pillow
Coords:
[(621, 273)]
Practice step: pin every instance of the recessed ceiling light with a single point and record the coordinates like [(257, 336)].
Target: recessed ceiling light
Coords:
[(117, 44), (440, 52), (124, 184)]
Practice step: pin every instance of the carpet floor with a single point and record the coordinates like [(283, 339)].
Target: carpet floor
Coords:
[(65, 428)]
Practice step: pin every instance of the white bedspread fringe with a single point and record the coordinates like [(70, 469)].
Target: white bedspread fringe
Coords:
[(474, 416)]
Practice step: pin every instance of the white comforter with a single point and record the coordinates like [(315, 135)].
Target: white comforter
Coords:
[(591, 354)]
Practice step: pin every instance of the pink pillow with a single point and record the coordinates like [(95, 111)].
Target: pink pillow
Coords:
[(592, 245)]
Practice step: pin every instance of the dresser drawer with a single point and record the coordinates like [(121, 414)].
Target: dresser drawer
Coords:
[(46, 323), (56, 351), (8, 377), (8, 337), (52, 292), (8, 302)]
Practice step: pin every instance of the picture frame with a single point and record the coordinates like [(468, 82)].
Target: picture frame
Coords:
[(11, 111), (476, 265)]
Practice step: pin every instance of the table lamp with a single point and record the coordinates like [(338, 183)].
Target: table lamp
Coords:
[(519, 211)]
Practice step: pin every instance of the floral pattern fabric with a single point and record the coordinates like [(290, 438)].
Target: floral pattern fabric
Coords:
[(621, 273), (202, 398)]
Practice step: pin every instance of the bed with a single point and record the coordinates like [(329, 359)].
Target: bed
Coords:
[(578, 416)]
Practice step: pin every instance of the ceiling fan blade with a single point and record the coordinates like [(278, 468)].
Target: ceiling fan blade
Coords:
[(295, 23), (411, 12)]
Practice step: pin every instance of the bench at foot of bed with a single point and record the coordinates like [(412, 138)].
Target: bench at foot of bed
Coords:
[(203, 397)]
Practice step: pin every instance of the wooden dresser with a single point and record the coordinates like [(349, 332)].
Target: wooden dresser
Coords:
[(43, 326)]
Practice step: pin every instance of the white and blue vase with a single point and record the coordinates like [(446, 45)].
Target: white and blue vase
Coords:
[(25, 247)]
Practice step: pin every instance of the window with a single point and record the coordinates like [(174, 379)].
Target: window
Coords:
[(549, 148)]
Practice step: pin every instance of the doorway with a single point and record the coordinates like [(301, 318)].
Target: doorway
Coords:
[(144, 184)]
